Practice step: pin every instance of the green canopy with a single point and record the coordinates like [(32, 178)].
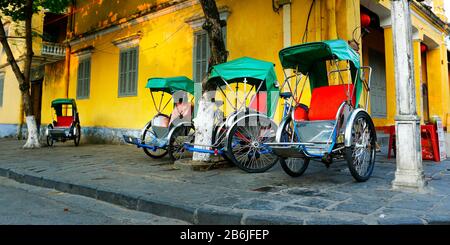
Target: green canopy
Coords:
[(171, 84), (310, 58), (58, 102), (255, 71)]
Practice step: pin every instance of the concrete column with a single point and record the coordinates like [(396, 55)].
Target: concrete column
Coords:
[(409, 174)]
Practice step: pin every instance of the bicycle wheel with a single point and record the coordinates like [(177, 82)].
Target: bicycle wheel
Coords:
[(246, 143), (294, 167), (179, 136), (147, 137), (360, 155), (77, 135)]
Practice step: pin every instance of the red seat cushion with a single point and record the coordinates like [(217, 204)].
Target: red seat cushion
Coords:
[(259, 103), (64, 121), (325, 101)]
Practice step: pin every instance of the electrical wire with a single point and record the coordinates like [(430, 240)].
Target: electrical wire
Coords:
[(305, 34)]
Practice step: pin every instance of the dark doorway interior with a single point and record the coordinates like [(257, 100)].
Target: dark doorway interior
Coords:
[(36, 98)]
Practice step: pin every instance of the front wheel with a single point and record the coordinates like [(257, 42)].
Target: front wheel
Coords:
[(360, 155), (77, 135), (294, 167), (246, 143), (50, 140), (149, 136), (179, 136)]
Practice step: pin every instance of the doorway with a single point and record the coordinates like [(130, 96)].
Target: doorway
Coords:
[(36, 98)]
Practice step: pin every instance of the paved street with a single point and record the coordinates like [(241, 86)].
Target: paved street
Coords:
[(124, 175), (23, 204)]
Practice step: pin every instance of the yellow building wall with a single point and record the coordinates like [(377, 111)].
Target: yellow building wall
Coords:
[(166, 49), (438, 94), (10, 110)]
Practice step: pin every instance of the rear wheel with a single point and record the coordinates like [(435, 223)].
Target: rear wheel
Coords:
[(179, 136), (149, 136), (77, 135), (219, 137), (294, 167), (50, 140), (246, 144), (360, 155)]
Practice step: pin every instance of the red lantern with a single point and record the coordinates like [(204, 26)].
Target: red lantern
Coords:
[(365, 20), (423, 48)]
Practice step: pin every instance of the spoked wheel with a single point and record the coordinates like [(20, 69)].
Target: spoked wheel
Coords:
[(180, 135), (77, 135), (50, 140), (149, 136), (246, 144), (360, 155), (294, 167), (219, 137)]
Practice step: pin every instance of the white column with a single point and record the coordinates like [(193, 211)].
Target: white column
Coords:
[(287, 24), (409, 174)]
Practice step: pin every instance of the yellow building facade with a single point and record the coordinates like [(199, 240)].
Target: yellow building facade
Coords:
[(11, 112), (113, 47)]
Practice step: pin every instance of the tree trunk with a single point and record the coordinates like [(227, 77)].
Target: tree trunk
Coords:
[(24, 77), (204, 123)]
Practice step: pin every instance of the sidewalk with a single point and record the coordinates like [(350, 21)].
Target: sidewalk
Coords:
[(125, 176)]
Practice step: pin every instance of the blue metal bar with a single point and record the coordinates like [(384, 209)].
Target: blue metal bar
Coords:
[(194, 149)]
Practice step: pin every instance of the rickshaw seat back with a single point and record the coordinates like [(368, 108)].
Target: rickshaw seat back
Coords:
[(64, 121), (325, 101), (160, 125), (182, 109), (259, 102)]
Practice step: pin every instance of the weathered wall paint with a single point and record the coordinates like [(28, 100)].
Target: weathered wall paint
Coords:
[(166, 49)]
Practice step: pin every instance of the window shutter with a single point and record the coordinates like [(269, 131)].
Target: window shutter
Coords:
[(80, 79), (83, 79), (128, 72), (87, 78)]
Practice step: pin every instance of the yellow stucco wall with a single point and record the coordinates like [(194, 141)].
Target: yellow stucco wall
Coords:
[(166, 49), (10, 110)]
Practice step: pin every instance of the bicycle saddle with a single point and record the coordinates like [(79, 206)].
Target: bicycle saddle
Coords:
[(286, 95)]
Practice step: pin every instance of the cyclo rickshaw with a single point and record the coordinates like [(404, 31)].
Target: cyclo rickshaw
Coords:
[(165, 134), (66, 125), (335, 125), (243, 120)]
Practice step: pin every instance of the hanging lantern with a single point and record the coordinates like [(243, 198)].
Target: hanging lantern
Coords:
[(423, 48), (365, 20)]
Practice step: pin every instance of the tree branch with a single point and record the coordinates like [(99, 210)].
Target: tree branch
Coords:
[(10, 56)]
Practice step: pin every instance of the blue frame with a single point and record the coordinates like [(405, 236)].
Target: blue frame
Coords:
[(137, 142)]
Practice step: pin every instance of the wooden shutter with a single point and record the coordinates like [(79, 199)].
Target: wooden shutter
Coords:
[(128, 72), (83, 79)]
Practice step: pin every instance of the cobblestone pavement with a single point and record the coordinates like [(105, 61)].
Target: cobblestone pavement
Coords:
[(124, 175)]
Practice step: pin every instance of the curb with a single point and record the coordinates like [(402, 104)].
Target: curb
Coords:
[(197, 214), (188, 213)]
